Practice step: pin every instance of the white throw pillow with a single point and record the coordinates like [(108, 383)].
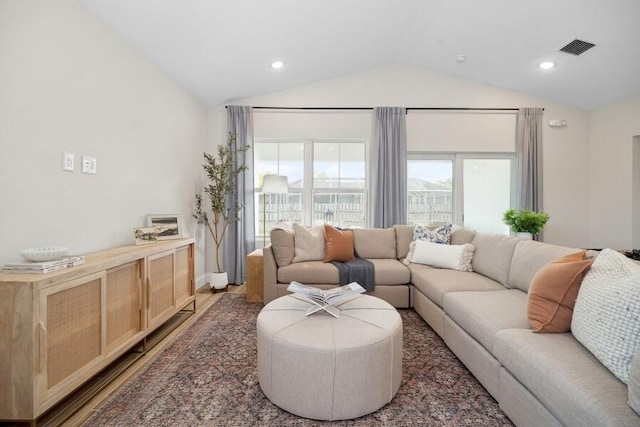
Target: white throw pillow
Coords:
[(308, 243), (454, 257), (606, 317), (441, 234)]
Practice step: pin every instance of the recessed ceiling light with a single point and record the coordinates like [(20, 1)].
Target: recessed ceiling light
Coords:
[(547, 65), (460, 59), (277, 64)]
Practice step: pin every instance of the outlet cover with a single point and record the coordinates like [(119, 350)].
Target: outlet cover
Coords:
[(68, 161), (89, 164)]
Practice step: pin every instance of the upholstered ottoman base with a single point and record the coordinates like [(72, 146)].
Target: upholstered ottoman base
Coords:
[(328, 368)]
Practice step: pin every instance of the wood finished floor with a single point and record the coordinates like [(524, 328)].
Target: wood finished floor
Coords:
[(204, 299)]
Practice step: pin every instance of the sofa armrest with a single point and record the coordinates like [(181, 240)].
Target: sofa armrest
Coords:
[(634, 383), (270, 277)]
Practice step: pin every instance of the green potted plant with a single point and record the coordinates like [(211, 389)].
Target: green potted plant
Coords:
[(525, 223), (221, 171)]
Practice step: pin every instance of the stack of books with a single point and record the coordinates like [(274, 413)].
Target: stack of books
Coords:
[(44, 267)]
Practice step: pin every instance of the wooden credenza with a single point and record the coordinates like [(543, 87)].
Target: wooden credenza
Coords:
[(59, 329)]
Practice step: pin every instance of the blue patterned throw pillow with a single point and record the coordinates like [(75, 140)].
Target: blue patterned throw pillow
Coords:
[(441, 234)]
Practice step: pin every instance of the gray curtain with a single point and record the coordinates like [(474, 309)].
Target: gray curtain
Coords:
[(240, 238), (529, 158), (388, 167)]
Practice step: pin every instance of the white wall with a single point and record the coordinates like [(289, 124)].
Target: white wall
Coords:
[(67, 83), (565, 150), (635, 196), (613, 129)]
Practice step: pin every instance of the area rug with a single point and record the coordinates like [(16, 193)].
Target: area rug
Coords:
[(208, 377)]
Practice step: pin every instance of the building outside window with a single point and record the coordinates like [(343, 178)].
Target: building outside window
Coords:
[(430, 191)]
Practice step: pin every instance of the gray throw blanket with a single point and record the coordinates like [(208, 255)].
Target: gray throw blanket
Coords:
[(358, 270)]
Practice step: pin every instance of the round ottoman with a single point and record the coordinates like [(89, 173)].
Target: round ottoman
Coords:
[(328, 368)]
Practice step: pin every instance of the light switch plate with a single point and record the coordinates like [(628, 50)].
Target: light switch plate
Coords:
[(89, 164), (68, 161)]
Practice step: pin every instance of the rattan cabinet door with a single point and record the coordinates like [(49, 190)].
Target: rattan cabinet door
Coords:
[(161, 276), (70, 335), (185, 286), (124, 306)]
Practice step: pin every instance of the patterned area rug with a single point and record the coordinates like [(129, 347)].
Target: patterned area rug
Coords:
[(208, 376)]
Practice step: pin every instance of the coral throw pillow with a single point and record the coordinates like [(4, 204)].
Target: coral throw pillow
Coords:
[(339, 244), (553, 292)]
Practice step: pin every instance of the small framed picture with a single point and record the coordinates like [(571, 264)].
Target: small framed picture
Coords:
[(167, 226), (145, 235)]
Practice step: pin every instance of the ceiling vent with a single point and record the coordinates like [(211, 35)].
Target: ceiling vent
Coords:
[(577, 47)]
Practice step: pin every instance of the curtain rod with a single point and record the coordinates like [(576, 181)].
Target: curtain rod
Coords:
[(371, 108)]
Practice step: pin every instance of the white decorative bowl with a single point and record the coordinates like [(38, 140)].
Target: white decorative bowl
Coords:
[(44, 254)]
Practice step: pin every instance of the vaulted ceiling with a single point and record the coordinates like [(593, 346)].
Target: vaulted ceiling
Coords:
[(222, 50)]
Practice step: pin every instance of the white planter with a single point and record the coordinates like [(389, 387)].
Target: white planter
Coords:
[(218, 280), (524, 235)]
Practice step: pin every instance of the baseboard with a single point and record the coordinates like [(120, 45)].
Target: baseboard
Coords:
[(201, 280)]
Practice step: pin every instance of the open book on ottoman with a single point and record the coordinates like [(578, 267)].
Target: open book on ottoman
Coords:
[(325, 299)]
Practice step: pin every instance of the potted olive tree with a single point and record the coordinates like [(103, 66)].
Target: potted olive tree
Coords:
[(525, 223), (221, 171)]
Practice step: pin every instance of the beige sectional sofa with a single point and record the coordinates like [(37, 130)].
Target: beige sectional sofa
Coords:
[(539, 379), (377, 245)]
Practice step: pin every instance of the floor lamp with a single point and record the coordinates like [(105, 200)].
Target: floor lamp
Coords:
[(271, 184)]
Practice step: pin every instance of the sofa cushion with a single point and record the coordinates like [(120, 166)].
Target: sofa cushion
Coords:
[(553, 293), (375, 242), (528, 257), (454, 257), (492, 257), (308, 243), (461, 235), (338, 244), (483, 314), (404, 237), (606, 314), (565, 377), (634, 383), (282, 244), (436, 282), (309, 273), (387, 272), (390, 272)]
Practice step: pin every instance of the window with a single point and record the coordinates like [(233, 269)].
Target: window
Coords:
[(339, 183), (430, 188), (468, 189), (335, 170)]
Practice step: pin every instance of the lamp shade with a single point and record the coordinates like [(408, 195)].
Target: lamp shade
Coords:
[(275, 184)]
